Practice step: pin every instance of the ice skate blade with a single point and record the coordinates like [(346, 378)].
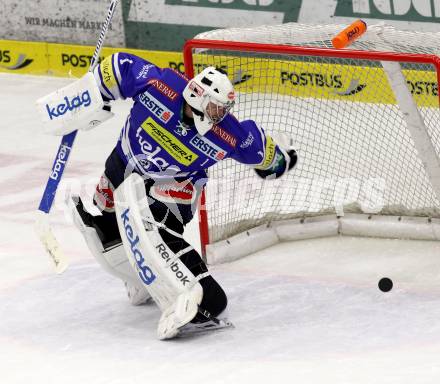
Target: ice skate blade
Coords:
[(191, 329)]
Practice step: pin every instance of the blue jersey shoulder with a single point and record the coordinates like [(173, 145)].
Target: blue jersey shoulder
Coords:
[(155, 137)]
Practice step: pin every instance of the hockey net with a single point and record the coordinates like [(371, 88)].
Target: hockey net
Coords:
[(363, 148)]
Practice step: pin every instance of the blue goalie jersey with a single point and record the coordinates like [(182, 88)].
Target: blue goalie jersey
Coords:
[(158, 141)]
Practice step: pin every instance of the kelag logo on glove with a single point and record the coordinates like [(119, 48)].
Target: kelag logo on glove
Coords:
[(69, 105), (82, 99)]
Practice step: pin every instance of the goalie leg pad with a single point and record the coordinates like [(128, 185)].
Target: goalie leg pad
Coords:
[(168, 208), (113, 260), (214, 297), (171, 284)]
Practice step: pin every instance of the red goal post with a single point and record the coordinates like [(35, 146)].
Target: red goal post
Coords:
[(215, 52)]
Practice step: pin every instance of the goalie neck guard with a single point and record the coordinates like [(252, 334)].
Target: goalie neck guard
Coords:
[(211, 96)]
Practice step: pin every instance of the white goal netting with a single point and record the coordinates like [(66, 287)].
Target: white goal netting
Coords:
[(356, 153)]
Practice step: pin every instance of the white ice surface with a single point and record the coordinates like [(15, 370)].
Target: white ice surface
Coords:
[(304, 312)]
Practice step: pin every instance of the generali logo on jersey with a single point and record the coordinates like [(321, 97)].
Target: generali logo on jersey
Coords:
[(225, 136), (163, 88)]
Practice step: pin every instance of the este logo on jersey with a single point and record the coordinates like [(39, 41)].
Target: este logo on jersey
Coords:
[(208, 147), (156, 107), (175, 148)]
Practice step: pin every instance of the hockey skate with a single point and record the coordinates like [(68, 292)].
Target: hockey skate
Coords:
[(213, 324), (203, 322)]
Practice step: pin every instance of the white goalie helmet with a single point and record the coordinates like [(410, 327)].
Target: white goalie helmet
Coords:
[(211, 96)]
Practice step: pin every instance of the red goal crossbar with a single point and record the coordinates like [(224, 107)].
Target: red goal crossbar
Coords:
[(190, 45)]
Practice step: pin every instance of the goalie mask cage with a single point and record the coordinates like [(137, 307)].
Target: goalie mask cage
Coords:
[(365, 122)]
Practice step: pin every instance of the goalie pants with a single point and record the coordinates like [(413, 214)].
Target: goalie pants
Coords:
[(214, 298)]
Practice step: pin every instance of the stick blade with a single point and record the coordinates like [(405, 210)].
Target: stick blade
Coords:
[(44, 232)]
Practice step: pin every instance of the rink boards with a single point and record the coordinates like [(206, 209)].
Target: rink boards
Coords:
[(354, 81)]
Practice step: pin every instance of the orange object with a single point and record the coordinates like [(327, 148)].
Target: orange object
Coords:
[(349, 34)]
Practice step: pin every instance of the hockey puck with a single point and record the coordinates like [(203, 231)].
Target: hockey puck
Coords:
[(385, 284)]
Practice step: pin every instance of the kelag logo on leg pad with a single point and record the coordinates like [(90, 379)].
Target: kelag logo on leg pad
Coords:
[(145, 272)]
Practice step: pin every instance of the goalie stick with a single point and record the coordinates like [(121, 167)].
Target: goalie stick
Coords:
[(42, 225)]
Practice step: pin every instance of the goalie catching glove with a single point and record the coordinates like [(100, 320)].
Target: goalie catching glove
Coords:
[(284, 160), (77, 106)]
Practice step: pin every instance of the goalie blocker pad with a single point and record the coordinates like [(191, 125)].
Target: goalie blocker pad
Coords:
[(170, 283), (77, 106)]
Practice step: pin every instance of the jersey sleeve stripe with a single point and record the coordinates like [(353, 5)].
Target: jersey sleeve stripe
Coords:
[(264, 141), (269, 154), (117, 73), (101, 86)]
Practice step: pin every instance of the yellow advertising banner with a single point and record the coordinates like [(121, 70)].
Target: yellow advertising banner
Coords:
[(39, 58), (74, 60), (23, 57), (320, 80), (297, 78)]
